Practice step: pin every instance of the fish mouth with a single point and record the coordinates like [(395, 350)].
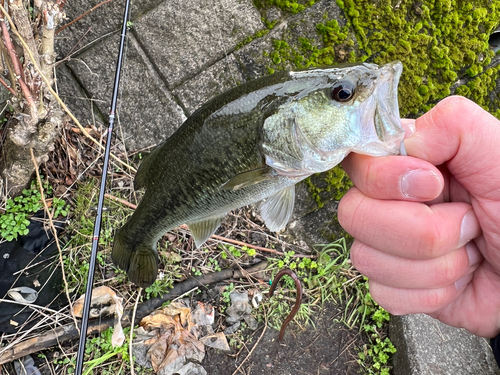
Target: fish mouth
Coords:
[(386, 118)]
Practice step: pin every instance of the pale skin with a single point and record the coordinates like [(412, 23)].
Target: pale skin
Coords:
[(427, 225)]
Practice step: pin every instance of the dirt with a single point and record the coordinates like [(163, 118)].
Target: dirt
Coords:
[(326, 348)]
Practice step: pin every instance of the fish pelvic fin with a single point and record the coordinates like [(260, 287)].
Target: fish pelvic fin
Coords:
[(140, 262), (277, 209), (204, 228)]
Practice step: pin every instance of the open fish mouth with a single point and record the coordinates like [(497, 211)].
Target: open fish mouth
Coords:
[(382, 132), (386, 120)]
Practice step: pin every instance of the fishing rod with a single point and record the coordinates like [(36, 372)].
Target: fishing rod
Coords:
[(98, 219)]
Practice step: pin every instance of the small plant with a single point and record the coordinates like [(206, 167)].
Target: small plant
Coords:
[(234, 251), (14, 221), (374, 357), (196, 272), (226, 294), (100, 350), (214, 264), (250, 252)]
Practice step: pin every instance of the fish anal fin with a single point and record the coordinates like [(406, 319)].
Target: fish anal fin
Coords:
[(204, 228), (249, 178), (277, 209)]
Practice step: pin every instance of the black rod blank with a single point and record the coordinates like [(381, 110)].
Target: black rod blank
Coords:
[(98, 219)]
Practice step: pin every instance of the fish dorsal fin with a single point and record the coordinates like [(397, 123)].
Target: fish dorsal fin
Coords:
[(277, 209), (249, 178), (204, 228)]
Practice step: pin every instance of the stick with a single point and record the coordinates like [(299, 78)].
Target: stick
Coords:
[(130, 351), (17, 69), (54, 231), (81, 16)]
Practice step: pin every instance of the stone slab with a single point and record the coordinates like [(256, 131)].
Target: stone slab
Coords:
[(75, 97), (216, 79), (150, 113), (429, 347), (185, 36), (104, 20)]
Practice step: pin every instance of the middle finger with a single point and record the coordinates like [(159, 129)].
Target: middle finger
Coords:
[(407, 229)]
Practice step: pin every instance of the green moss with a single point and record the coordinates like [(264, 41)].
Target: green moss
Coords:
[(329, 185), (438, 41), (258, 34), (291, 6)]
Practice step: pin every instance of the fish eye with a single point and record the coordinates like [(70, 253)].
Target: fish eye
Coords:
[(342, 92)]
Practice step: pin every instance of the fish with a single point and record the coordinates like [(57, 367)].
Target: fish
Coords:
[(254, 143)]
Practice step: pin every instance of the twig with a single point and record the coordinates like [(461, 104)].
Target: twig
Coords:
[(122, 201), (256, 344), (54, 231), (33, 306), (131, 356), (17, 68), (81, 16), (214, 236), (188, 292), (8, 87), (47, 82)]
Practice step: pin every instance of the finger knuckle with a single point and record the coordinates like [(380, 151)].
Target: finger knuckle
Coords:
[(450, 269), (432, 299)]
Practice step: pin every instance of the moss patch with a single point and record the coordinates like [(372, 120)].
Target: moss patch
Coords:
[(437, 41), (329, 185), (291, 6)]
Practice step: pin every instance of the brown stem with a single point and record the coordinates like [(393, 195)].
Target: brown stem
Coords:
[(8, 87), (17, 69), (23, 25), (10, 67), (81, 16), (51, 18)]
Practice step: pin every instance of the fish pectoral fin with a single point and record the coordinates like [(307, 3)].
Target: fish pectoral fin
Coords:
[(277, 209), (249, 178), (203, 229)]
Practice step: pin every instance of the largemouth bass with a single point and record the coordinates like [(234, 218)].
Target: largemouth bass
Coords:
[(256, 142)]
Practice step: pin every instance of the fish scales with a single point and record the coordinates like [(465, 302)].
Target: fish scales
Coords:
[(254, 142)]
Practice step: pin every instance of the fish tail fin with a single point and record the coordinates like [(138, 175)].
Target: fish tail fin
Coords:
[(140, 262)]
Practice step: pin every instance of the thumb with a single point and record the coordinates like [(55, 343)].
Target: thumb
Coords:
[(461, 134)]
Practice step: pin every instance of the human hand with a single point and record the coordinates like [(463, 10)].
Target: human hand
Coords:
[(441, 258)]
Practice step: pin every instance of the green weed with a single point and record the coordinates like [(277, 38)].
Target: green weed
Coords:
[(14, 221)]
